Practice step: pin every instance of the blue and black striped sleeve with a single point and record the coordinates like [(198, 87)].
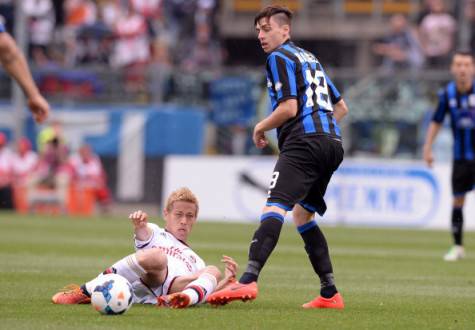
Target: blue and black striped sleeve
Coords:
[(442, 107), (2, 27), (335, 95), (281, 73)]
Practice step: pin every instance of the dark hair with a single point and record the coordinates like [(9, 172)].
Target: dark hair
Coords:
[(464, 52), (283, 15)]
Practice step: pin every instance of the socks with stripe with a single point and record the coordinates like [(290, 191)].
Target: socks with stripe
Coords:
[(127, 267), (199, 289), (457, 225), (317, 251), (263, 243)]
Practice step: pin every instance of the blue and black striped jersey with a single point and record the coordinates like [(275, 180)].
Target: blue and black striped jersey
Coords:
[(2, 27), (461, 108), (293, 72)]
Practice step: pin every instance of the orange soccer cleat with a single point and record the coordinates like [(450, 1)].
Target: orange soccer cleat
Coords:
[(233, 291), (71, 295), (334, 302), (174, 300)]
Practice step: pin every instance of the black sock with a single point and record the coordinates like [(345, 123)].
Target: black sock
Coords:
[(317, 251), (84, 290), (457, 225), (263, 243)]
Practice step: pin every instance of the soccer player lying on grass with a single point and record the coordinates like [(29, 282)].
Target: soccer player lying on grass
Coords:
[(164, 270)]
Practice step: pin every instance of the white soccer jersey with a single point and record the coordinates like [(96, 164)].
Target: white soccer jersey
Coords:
[(24, 165), (182, 260)]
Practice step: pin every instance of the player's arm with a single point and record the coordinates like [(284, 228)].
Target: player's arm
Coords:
[(432, 132), (15, 64), (286, 110), (434, 127), (281, 73), (141, 230), (340, 109)]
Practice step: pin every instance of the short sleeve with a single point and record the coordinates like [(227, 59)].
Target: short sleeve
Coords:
[(143, 244), (2, 27), (335, 95), (282, 77), (441, 109)]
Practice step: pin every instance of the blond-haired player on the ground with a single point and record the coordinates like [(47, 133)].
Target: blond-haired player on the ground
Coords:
[(164, 270)]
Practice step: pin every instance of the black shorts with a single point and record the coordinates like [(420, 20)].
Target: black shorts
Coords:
[(463, 176), (303, 171)]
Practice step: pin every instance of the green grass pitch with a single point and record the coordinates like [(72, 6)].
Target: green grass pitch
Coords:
[(390, 279)]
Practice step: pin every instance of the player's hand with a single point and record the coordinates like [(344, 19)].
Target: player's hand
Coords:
[(39, 107), (139, 219), (231, 268), (428, 157), (259, 137)]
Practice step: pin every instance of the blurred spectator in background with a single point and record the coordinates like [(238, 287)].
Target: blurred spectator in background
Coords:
[(7, 14), (180, 18), (94, 42), (53, 162), (25, 161), (470, 14), (58, 6), (78, 13), (6, 177), (40, 15), (132, 34), (437, 33), (400, 49), (204, 52), (55, 129), (88, 173), (52, 173), (151, 10)]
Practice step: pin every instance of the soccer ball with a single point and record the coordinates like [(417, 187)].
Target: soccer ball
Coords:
[(112, 295)]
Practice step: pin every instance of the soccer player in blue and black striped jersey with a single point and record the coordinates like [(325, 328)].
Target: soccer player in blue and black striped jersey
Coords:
[(306, 110), (15, 64), (458, 100)]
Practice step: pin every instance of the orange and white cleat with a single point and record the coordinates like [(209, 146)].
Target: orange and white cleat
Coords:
[(335, 302), (233, 291), (174, 300), (71, 295)]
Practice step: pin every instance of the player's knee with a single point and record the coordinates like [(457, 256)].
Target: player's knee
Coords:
[(214, 271), (152, 260), (301, 216), (459, 201)]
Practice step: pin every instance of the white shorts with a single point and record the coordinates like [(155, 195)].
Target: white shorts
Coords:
[(144, 294)]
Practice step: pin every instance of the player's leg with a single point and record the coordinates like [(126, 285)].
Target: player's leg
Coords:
[(148, 265), (317, 250), (462, 182), (328, 154), (290, 183), (190, 290)]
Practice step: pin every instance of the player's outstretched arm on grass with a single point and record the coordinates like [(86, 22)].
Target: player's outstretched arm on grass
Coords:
[(141, 230), (230, 271), (15, 64), (432, 132)]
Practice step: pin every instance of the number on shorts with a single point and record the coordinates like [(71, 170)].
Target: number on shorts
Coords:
[(273, 182)]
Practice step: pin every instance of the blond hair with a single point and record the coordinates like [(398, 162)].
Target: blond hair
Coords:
[(183, 194)]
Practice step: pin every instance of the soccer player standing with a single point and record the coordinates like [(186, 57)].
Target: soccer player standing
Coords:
[(306, 110), (458, 99), (15, 64)]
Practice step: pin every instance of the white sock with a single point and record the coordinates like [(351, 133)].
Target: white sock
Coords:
[(127, 267), (200, 288)]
